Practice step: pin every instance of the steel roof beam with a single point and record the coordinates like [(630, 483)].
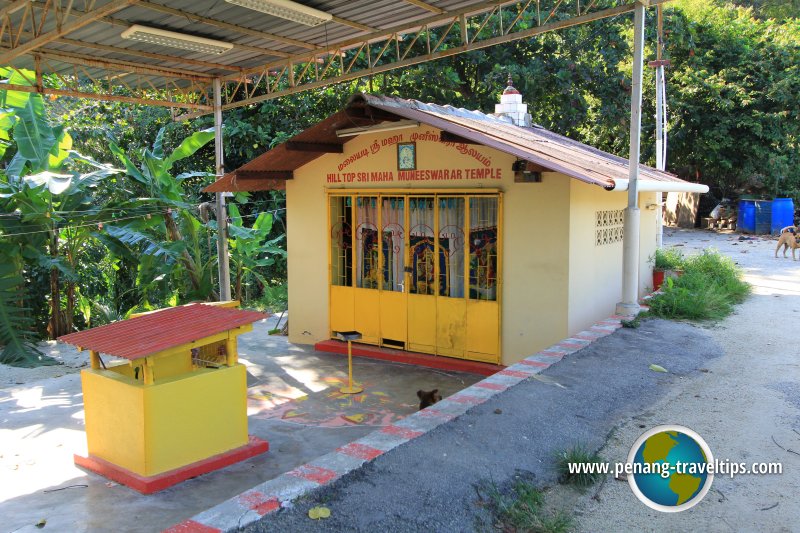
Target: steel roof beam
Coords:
[(65, 29), (350, 73), (430, 22), (139, 53), (424, 5), (124, 66), (13, 7), (353, 24), (110, 97)]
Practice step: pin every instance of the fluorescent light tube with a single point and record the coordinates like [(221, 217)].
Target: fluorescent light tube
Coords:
[(388, 126), (175, 40), (286, 10)]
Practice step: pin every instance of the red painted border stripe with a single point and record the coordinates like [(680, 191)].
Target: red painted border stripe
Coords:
[(535, 363), (466, 398), (433, 413), (514, 373), (259, 502), (571, 345), (361, 451), (317, 474), (402, 432), (491, 386), (191, 526)]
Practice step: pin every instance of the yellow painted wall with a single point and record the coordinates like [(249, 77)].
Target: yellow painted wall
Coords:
[(117, 439), (595, 285), (647, 241), (595, 276), (150, 429), (537, 220), (535, 266), (190, 418)]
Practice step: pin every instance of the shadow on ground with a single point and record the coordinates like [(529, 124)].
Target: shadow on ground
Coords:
[(293, 402)]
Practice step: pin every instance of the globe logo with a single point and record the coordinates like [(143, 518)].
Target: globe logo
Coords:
[(670, 466)]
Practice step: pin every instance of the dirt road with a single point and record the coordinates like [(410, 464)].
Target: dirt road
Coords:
[(746, 407)]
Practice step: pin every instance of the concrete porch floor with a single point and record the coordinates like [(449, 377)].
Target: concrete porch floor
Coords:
[(293, 402)]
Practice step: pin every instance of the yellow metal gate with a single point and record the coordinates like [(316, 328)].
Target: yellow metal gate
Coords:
[(418, 271)]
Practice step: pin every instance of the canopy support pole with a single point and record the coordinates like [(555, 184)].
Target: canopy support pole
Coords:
[(222, 213), (629, 306), (661, 126)]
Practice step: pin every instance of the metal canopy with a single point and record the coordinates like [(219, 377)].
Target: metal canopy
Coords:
[(79, 42)]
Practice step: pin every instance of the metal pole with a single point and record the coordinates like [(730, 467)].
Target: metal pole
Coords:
[(350, 389), (660, 153), (629, 306), (661, 127), (222, 213)]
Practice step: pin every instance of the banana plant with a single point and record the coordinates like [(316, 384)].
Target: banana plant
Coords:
[(41, 200), (57, 212), (16, 326), (40, 146), (249, 248), (169, 237)]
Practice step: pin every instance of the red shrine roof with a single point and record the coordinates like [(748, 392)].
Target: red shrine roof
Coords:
[(147, 334)]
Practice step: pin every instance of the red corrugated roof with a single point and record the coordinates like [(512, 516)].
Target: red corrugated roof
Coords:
[(536, 144), (145, 335)]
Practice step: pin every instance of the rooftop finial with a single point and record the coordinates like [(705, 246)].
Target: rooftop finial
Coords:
[(511, 108), (510, 89)]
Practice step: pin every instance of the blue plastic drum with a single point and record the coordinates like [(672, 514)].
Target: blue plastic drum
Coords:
[(746, 221), (782, 214)]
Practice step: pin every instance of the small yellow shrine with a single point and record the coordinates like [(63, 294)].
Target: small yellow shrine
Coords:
[(176, 407)]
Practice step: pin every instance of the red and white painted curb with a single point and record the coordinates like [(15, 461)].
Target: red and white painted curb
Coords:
[(271, 495)]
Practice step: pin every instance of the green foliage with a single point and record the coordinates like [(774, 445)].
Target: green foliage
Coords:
[(668, 259), (523, 510), (776, 9), (634, 322), (274, 298), (39, 145), (708, 290), (16, 327), (578, 455), (41, 204), (250, 251), (166, 242), (734, 94)]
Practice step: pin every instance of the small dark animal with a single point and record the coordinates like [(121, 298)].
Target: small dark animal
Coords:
[(428, 398)]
